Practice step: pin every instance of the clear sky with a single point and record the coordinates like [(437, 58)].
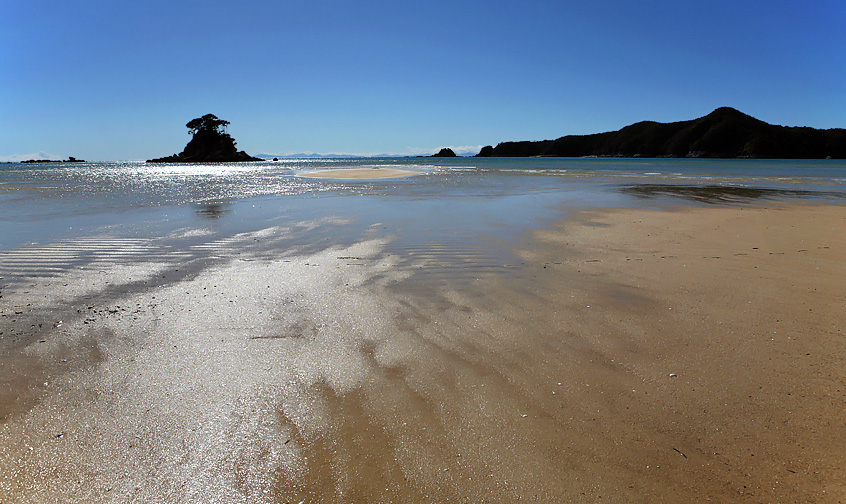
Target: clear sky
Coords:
[(109, 80)]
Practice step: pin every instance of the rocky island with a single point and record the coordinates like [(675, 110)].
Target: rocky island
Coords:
[(70, 159), (724, 133), (445, 152), (210, 143)]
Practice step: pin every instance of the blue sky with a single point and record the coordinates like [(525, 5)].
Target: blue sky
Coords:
[(104, 80)]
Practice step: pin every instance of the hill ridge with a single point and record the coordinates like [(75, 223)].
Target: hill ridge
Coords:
[(724, 133)]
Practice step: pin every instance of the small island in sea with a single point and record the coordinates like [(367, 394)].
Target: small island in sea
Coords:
[(724, 133), (445, 152), (70, 159), (210, 143)]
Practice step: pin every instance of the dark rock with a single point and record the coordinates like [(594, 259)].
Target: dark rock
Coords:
[(210, 144), (445, 152), (487, 151)]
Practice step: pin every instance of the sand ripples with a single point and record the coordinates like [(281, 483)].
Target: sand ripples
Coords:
[(462, 258), (55, 258)]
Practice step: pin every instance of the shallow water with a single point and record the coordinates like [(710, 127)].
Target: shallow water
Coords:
[(455, 209)]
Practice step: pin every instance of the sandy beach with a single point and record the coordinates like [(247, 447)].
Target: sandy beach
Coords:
[(361, 173), (628, 355)]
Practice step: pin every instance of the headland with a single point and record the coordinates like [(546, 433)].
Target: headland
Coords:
[(724, 133)]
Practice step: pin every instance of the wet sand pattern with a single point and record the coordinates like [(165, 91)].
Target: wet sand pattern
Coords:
[(631, 356)]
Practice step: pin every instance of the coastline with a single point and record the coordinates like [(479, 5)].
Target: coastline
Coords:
[(634, 354)]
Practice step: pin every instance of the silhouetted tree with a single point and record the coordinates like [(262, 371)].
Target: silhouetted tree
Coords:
[(210, 143), (208, 122)]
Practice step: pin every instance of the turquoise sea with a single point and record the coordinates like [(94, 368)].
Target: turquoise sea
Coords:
[(128, 210)]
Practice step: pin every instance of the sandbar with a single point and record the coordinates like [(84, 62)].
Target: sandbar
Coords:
[(630, 355), (361, 173)]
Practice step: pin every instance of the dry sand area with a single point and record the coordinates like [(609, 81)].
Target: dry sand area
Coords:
[(693, 355)]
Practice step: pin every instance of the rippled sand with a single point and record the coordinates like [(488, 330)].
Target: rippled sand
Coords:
[(630, 355)]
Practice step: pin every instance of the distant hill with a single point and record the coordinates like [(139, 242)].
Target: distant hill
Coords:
[(308, 155), (70, 159), (724, 133)]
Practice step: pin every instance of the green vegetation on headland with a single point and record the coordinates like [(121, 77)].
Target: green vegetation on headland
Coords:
[(724, 133), (209, 144)]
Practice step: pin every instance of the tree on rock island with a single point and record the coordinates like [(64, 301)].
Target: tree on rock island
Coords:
[(210, 143), (208, 122)]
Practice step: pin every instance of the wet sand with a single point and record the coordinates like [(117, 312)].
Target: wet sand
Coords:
[(361, 173), (691, 355)]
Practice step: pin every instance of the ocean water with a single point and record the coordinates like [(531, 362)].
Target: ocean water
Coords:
[(456, 207)]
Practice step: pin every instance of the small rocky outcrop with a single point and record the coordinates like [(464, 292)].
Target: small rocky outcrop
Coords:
[(445, 152), (210, 143)]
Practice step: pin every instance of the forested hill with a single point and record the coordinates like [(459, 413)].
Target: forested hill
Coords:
[(724, 133)]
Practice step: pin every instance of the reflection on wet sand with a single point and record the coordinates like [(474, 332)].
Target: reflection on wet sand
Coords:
[(716, 194), (651, 355), (212, 210)]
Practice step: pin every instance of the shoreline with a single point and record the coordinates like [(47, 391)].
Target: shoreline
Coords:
[(633, 354)]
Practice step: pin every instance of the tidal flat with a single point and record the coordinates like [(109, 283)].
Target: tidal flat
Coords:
[(473, 333)]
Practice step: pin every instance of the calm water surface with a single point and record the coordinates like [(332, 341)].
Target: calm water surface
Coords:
[(458, 202)]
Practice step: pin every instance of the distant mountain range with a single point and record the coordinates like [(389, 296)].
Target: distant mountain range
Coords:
[(724, 133), (308, 155)]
